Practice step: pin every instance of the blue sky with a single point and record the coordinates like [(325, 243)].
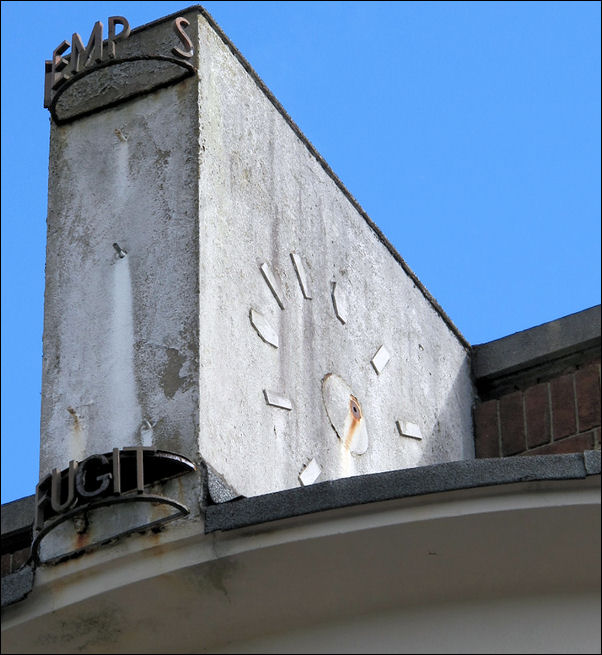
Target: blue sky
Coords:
[(468, 131)]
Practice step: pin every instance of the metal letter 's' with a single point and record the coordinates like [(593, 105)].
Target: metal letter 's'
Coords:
[(125, 32), (179, 25), (55, 493), (80, 477)]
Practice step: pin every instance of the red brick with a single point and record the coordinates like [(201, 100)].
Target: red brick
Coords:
[(587, 382), (512, 424), (575, 444), (537, 411), (564, 421), (5, 564), (486, 429), (19, 558)]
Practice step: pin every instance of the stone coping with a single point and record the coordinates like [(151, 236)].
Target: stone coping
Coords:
[(404, 483), (17, 516), (538, 345)]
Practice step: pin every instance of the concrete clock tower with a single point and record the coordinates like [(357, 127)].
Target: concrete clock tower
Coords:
[(220, 313)]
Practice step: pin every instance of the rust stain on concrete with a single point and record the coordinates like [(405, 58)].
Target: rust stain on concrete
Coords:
[(355, 416)]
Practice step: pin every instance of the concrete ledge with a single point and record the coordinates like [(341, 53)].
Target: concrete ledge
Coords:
[(553, 340), (17, 516), (399, 484), (16, 586)]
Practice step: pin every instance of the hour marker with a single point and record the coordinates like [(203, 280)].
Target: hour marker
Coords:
[(277, 400), (381, 359), (272, 282), (339, 302), (310, 473), (408, 429), (263, 328), (300, 271)]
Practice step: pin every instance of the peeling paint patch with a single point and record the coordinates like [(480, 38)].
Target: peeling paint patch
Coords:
[(170, 378)]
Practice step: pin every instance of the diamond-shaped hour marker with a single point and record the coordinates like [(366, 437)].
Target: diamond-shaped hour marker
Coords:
[(381, 359), (310, 473)]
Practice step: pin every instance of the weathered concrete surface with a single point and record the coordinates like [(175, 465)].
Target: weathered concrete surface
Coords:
[(121, 333), (118, 83), (101, 525), (264, 198), (226, 214), (144, 61)]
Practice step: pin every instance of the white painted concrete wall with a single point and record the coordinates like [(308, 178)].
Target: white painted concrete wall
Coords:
[(263, 197)]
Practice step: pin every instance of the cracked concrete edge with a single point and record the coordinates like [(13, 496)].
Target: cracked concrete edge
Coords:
[(219, 490)]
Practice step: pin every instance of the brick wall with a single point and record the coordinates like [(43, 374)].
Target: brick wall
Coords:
[(11, 562), (17, 534), (558, 415)]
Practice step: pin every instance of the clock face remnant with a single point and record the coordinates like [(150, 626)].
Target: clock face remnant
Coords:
[(321, 357), (341, 403)]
